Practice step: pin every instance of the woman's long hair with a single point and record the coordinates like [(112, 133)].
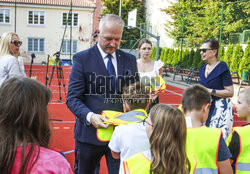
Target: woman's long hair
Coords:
[(5, 42), (168, 141), (24, 121)]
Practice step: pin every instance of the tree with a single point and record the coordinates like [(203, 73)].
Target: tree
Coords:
[(237, 55), (190, 59), (197, 58), (202, 19), (162, 54), (229, 54), (166, 55), (176, 58), (170, 56), (222, 53), (112, 6), (185, 58), (245, 62), (153, 53)]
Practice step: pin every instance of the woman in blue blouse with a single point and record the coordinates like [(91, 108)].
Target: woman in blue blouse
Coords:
[(216, 77)]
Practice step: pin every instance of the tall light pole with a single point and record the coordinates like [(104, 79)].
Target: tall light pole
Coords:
[(120, 9)]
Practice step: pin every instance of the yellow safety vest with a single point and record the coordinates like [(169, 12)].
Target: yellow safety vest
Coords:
[(203, 143), (140, 164), (119, 118), (242, 165), (156, 84), (137, 164)]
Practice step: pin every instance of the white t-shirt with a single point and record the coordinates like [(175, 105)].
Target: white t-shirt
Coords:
[(128, 140), (9, 67), (188, 121)]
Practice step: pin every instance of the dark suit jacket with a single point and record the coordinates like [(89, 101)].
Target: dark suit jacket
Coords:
[(89, 88)]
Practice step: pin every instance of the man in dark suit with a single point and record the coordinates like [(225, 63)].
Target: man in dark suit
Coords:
[(97, 77)]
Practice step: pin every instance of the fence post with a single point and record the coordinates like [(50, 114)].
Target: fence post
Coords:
[(183, 15), (221, 23), (15, 18)]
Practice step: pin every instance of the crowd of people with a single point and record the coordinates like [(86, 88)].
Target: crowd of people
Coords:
[(156, 137)]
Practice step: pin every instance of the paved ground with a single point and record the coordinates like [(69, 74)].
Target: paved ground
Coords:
[(182, 84)]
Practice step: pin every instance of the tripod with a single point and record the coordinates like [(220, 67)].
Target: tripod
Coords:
[(47, 74), (32, 59), (60, 76)]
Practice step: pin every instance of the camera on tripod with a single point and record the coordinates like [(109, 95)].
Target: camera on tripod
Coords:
[(59, 73), (57, 59)]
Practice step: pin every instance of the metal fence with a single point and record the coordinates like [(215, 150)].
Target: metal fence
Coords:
[(227, 22)]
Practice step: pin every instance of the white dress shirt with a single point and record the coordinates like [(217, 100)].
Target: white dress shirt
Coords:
[(105, 59)]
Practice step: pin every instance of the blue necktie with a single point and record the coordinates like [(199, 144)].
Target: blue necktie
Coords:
[(111, 70)]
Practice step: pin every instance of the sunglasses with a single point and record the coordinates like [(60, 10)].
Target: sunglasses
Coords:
[(16, 43), (146, 121), (205, 50)]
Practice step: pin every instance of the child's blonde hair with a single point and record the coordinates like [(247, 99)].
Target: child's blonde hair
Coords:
[(246, 92), (168, 140)]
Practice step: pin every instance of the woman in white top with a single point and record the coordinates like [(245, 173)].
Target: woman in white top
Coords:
[(147, 67), (9, 52)]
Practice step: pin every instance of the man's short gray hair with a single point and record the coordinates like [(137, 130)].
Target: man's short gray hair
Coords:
[(112, 18)]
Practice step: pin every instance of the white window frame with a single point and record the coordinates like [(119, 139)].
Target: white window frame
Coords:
[(4, 16), (71, 19), (32, 51), (39, 17), (67, 45)]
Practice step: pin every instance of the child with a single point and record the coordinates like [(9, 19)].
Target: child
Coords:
[(206, 144), (239, 140), (25, 131), (130, 139), (166, 130)]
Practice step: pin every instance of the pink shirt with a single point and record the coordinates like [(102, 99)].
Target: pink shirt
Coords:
[(48, 161)]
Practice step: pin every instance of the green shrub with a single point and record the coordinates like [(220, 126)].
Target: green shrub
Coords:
[(162, 54), (190, 58), (222, 53), (229, 54), (166, 55), (196, 59), (237, 56), (153, 53), (170, 56), (185, 57), (176, 58), (245, 61)]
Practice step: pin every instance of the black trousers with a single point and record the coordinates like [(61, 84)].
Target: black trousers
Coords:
[(88, 156)]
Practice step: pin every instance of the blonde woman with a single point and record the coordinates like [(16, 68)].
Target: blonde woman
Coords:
[(166, 130), (9, 53)]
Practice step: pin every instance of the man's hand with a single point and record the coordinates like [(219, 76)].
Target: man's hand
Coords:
[(152, 97), (97, 121)]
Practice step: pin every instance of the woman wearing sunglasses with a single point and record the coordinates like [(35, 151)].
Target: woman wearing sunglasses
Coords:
[(216, 78), (166, 130), (9, 52)]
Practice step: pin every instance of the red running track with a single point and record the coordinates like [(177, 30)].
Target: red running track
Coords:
[(63, 121)]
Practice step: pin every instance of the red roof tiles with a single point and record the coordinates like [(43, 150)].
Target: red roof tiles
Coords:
[(78, 3)]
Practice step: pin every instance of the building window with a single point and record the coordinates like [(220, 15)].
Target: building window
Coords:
[(66, 46), (35, 45), (4, 16), (36, 17), (70, 17)]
